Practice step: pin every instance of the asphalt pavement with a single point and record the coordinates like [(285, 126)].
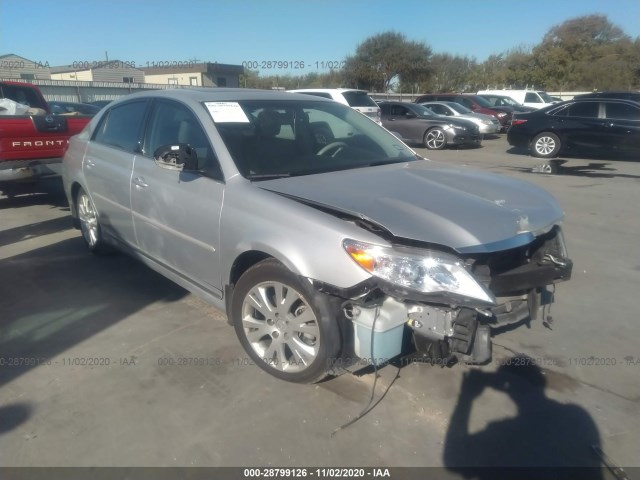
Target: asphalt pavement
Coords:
[(106, 363)]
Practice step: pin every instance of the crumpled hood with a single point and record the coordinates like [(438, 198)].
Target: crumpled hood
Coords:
[(466, 210)]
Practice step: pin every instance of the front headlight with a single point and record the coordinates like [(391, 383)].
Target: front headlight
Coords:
[(426, 271), (502, 114), (487, 122), (457, 127)]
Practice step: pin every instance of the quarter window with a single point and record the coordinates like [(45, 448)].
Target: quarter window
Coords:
[(122, 126)]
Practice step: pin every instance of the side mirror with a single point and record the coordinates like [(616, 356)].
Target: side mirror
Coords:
[(411, 115), (180, 156)]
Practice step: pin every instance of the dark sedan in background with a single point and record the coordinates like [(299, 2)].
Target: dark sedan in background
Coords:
[(612, 125), (417, 124)]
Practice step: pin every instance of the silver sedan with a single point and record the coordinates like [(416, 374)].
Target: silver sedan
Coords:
[(321, 235), (486, 123)]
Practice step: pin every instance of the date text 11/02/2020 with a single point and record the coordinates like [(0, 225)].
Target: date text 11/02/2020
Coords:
[(293, 64)]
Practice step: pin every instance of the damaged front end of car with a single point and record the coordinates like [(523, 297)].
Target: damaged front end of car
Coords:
[(441, 306)]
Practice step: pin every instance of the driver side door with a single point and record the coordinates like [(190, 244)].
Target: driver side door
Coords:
[(176, 214)]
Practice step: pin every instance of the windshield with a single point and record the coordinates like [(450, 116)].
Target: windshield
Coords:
[(546, 97), (458, 108), (281, 138)]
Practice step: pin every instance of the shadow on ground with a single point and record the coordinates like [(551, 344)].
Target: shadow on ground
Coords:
[(57, 296), (546, 439)]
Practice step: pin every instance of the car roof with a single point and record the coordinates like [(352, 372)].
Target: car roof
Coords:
[(395, 102), (327, 90), (441, 102), (217, 94)]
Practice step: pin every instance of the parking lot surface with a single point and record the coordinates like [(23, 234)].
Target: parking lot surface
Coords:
[(106, 363)]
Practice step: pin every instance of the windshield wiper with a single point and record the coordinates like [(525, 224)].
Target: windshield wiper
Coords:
[(390, 161), (267, 176)]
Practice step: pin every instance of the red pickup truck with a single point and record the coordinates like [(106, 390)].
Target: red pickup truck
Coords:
[(30, 136)]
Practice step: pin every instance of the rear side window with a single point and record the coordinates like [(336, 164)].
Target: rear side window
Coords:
[(359, 99), (584, 109), (122, 126), (622, 111), (22, 95)]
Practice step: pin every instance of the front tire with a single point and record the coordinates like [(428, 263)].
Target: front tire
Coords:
[(90, 224), (287, 328), (435, 139), (545, 145)]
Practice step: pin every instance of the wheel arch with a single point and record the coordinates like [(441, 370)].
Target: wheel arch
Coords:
[(239, 266)]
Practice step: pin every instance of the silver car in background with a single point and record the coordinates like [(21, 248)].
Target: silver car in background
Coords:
[(486, 123), (326, 252)]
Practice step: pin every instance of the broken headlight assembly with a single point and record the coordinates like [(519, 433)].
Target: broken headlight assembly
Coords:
[(429, 272)]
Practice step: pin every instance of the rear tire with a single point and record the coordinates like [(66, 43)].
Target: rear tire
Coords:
[(289, 329), (545, 145), (90, 224)]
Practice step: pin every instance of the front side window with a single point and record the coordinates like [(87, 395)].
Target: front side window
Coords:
[(122, 126), (399, 111), (172, 123), (281, 138), (622, 111)]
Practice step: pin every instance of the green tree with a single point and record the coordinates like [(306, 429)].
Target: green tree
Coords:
[(449, 73), (386, 59), (585, 53)]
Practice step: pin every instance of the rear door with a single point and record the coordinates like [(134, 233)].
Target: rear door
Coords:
[(108, 164), (176, 214), (580, 125)]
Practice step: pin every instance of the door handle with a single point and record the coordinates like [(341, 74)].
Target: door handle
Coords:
[(139, 182)]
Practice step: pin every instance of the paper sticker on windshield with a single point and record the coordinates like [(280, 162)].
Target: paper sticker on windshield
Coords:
[(226, 112)]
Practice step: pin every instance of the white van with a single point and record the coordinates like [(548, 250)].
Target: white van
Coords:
[(528, 98), (357, 99)]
